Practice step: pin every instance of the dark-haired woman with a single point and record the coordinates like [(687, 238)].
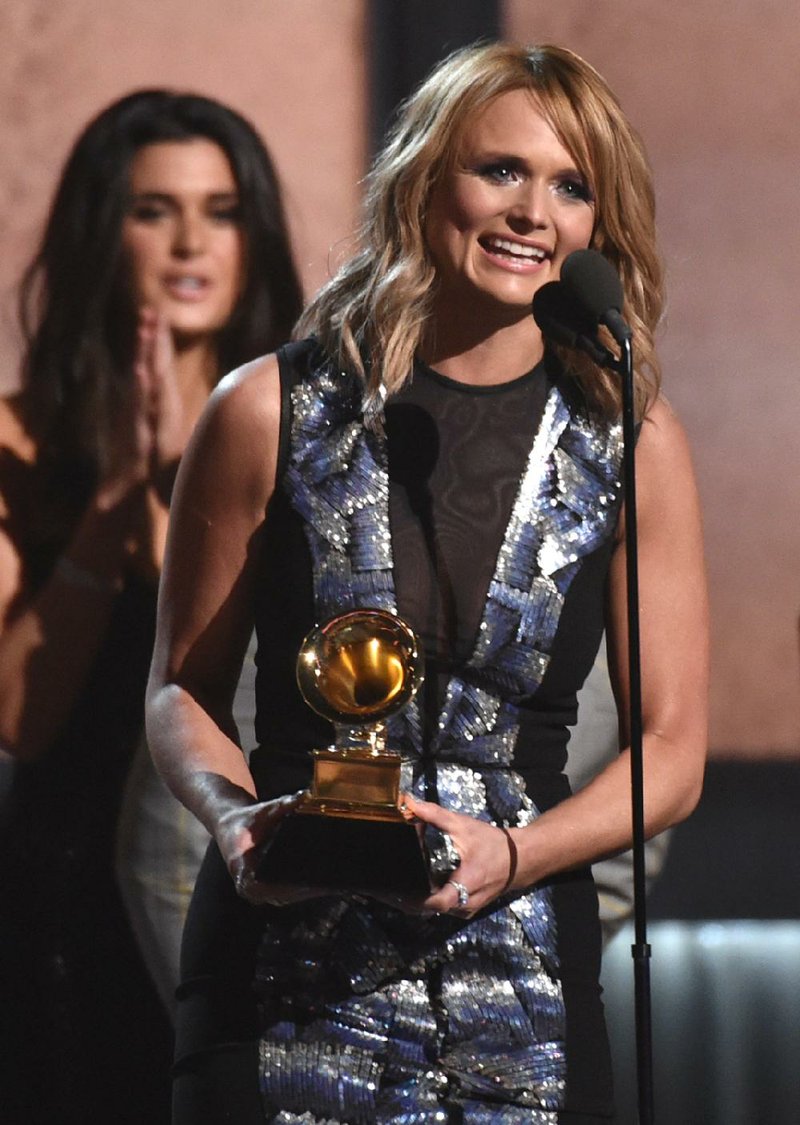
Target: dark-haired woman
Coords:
[(165, 259)]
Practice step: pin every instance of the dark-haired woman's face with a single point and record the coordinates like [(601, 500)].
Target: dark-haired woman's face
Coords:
[(182, 237)]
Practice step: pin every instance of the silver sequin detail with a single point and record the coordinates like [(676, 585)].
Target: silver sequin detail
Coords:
[(374, 1015)]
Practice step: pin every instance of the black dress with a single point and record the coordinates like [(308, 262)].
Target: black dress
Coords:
[(83, 1035), (485, 518)]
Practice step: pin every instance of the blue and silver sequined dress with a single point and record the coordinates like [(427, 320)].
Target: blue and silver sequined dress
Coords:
[(485, 517)]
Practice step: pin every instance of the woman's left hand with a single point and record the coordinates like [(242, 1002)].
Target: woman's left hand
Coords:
[(486, 862), (170, 422)]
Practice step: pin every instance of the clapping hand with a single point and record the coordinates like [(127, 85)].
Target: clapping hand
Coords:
[(152, 425), (159, 401)]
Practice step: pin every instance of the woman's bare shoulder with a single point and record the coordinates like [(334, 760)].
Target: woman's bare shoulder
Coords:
[(18, 449), (14, 435), (250, 396), (17, 454), (664, 465), (234, 447), (663, 434)]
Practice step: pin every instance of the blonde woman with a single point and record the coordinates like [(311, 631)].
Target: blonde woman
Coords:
[(426, 451)]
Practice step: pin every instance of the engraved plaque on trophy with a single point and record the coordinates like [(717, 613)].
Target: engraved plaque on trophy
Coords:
[(349, 831)]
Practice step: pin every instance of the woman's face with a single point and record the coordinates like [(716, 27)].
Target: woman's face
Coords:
[(501, 223), (182, 237)]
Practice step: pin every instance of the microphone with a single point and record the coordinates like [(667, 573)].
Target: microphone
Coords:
[(596, 287), (563, 320)]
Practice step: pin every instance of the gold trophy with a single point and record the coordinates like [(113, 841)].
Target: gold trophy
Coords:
[(349, 831)]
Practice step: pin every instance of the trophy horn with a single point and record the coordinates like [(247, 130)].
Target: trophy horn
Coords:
[(360, 667), (349, 828)]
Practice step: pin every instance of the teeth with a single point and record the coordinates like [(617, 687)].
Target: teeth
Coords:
[(517, 248), (188, 282)]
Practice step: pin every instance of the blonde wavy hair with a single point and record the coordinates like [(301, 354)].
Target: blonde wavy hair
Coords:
[(372, 314)]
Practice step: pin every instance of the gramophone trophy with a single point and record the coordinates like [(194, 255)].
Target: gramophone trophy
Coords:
[(349, 831)]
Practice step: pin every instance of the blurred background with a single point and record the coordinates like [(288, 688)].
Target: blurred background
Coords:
[(714, 88)]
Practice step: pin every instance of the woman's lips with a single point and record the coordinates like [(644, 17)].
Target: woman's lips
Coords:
[(510, 253), (188, 287)]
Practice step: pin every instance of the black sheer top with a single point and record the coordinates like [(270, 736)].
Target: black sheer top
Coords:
[(456, 454)]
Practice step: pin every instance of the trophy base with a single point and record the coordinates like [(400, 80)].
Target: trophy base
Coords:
[(343, 851)]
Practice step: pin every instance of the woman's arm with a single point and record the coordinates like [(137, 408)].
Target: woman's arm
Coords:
[(674, 642), (205, 613), (674, 662), (49, 637)]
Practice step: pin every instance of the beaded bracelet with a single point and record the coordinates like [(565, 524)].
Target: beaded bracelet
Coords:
[(512, 858)]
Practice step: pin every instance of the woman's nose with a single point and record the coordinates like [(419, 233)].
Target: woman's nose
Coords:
[(189, 236), (530, 208)]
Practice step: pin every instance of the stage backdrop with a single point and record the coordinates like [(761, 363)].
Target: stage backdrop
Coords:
[(713, 87), (295, 68)]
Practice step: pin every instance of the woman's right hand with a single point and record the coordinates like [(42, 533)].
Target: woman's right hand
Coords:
[(154, 426), (241, 834), (126, 468), (153, 429), (171, 419)]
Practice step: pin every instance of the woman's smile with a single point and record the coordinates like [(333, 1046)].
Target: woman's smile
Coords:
[(513, 254), (187, 287)]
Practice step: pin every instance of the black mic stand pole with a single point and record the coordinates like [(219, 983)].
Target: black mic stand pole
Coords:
[(553, 316), (640, 950)]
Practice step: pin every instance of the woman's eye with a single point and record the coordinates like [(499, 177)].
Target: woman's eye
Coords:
[(500, 172), (575, 188), (148, 212), (232, 214)]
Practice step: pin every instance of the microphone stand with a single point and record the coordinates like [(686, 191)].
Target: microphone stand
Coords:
[(554, 310), (640, 950)]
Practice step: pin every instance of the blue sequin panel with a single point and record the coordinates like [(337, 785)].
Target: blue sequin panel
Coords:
[(371, 1015)]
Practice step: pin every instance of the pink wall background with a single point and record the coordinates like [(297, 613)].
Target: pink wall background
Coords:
[(715, 90), (294, 67)]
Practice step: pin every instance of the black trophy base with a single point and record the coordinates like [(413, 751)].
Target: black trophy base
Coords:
[(347, 853)]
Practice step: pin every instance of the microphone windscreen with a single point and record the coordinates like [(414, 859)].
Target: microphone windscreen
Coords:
[(553, 312), (593, 281), (563, 321)]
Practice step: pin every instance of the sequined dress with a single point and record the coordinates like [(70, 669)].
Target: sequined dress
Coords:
[(485, 517)]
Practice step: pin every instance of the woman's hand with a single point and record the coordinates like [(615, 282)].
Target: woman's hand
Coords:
[(241, 834), (158, 425), (486, 863), (125, 472), (169, 421)]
